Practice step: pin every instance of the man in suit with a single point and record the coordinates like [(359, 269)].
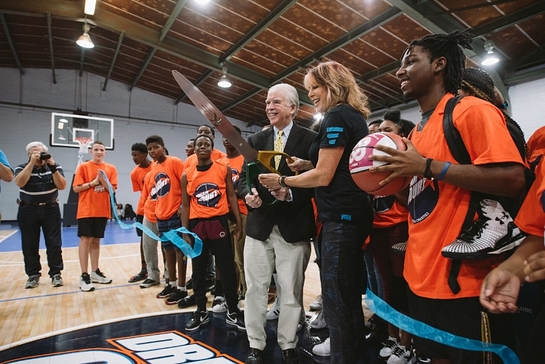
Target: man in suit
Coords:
[(277, 234)]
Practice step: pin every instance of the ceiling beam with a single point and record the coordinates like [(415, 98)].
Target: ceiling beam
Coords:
[(241, 98), (445, 24), (197, 83), (347, 38), (331, 47), (50, 38), (136, 31), (148, 59), (256, 30), (503, 22), (172, 18), (10, 42), (116, 53)]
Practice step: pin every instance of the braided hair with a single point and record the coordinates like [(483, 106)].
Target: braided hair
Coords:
[(448, 46), (405, 126), (479, 83)]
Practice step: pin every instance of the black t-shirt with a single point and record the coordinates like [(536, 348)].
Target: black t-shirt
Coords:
[(342, 200)]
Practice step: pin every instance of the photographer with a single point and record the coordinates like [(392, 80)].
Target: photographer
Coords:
[(39, 181)]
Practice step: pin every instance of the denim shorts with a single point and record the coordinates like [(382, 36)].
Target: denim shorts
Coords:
[(173, 223)]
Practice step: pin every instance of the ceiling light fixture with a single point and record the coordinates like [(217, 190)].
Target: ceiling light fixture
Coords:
[(90, 6), (224, 81), (491, 57), (84, 40), (202, 1), (63, 121)]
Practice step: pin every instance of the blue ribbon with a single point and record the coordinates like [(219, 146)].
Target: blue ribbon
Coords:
[(172, 235), (425, 331)]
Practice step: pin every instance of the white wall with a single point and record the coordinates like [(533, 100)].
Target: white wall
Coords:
[(526, 102), (136, 114)]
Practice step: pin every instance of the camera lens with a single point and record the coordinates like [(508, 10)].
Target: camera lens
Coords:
[(45, 156)]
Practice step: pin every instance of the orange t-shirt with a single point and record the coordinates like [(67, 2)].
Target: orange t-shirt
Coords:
[(137, 178), (216, 155), (236, 165), (167, 186), (147, 199), (438, 209), (207, 191), (531, 216), (95, 201), (388, 212)]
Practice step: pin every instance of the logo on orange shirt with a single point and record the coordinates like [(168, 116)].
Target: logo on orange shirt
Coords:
[(208, 194), (423, 197), (162, 185)]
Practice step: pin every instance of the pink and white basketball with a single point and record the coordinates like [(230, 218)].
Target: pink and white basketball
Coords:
[(360, 163)]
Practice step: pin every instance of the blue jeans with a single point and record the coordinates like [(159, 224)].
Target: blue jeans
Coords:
[(47, 218), (342, 264)]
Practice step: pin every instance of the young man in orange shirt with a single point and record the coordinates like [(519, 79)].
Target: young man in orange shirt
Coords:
[(94, 210), (440, 191), (167, 177)]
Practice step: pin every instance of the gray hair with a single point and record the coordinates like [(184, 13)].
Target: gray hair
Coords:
[(291, 94), (35, 144)]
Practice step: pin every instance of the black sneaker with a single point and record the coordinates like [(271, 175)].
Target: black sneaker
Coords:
[(165, 292), (236, 319), (175, 297), (492, 233), (187, 302), (198, 318), (148, 283)]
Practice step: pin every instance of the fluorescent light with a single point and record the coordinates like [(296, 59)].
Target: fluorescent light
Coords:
[(63, 121), (90, 7), (202, 1)]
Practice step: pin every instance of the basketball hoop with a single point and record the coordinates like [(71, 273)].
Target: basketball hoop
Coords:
[(84, 144)]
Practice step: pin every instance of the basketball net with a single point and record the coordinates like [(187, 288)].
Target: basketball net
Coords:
[(84, 144)]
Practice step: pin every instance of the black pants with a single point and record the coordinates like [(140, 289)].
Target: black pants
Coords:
[(47, 218), (214, 233), (342, 264)]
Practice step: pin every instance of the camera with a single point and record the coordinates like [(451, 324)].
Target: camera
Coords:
[(45, 156)]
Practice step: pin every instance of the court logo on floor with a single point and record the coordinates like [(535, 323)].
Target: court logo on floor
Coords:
[(164, 347)]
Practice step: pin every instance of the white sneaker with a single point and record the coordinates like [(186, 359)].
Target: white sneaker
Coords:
[(400, 355), (219, 305), (316, 305), (85, 283), (98, 277), (388, 348), (274, 311), (323, 349), (319, 321)]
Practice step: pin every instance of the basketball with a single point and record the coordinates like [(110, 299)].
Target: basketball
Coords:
[(360, 163)]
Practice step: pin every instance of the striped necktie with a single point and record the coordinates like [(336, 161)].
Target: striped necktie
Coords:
[(278, 147)]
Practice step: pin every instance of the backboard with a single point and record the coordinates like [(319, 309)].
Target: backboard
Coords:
[(66, 129)]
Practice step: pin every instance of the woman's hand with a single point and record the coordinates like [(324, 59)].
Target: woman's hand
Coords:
[(271, 181)]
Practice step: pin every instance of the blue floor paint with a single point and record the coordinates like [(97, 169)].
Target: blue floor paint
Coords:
[(113, 234)]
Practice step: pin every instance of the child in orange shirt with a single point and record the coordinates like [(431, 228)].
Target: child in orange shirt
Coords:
[(94, 210)]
